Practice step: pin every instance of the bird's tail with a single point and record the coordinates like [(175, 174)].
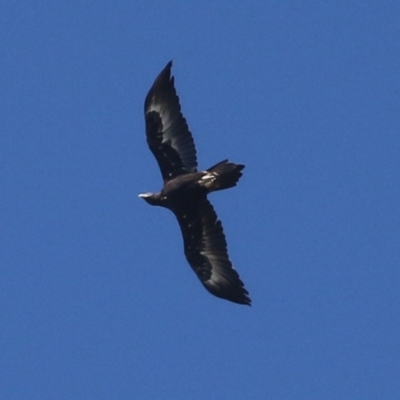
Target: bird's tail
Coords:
[(224, 175)]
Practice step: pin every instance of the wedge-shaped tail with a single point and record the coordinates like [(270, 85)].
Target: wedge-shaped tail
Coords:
[(223, 175)]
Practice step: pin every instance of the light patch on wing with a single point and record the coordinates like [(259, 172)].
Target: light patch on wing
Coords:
[(209, 178), (214, 249), (171, 120), (166, 120)]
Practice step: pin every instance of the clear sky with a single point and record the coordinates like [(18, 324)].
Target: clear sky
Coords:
[(97, 299)]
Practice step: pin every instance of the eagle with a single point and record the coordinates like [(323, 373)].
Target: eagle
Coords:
[(185, 190)]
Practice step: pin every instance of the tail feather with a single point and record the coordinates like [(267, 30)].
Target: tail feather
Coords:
[(226, 175)]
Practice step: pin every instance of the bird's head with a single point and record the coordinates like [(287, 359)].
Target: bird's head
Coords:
[(153, 199)]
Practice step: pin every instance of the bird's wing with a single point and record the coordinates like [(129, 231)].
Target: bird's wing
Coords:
[(206, 251), (167, 132)]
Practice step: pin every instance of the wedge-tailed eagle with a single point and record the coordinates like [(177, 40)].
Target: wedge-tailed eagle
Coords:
[(185, 190)]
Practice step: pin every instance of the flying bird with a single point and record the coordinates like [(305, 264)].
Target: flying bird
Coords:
[(185, 190)]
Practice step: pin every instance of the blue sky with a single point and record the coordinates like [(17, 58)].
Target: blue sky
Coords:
[(97, 299)]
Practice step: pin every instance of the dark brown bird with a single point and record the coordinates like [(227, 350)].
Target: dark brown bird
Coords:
[(185, 190)]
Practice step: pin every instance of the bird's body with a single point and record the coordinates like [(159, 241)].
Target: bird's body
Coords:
[(185, 190)]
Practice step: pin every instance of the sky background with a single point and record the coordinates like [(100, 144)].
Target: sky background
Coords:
[(96, 298)]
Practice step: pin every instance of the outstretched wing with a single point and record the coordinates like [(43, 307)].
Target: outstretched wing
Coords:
[(167, 132), (206, 251)]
